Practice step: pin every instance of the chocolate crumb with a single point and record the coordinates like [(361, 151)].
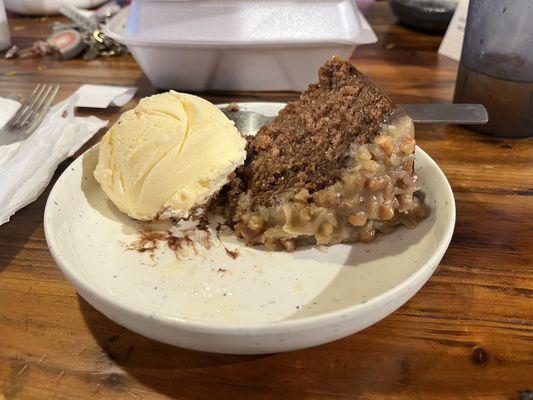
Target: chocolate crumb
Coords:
[(203, 225), (232, 253), (178, 244), (148, 241)]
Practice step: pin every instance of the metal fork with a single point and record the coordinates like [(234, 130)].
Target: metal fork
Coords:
[(29, 115)]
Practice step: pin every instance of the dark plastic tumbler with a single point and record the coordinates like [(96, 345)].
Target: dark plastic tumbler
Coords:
[(496, 66)]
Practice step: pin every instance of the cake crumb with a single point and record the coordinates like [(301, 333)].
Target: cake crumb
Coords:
[(322, 248), (233, 107)]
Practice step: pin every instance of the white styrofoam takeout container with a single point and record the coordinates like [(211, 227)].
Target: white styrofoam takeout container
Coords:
[(47, 7), (199, 45)]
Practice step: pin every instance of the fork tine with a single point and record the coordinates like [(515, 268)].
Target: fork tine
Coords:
[(43, 109), (31, 103), (23, 107), (35, 106)]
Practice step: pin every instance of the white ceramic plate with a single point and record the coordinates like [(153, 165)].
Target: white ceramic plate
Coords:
[(260, 302)]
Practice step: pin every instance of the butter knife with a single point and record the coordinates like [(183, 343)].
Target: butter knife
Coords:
[(249, 122)]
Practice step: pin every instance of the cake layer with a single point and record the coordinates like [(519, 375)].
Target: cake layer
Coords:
[(307, 145)]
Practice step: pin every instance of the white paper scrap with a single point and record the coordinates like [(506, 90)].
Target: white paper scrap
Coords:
[(452, 44), (101, 96)]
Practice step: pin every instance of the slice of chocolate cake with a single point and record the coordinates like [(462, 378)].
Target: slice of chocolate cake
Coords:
[(334, 166)]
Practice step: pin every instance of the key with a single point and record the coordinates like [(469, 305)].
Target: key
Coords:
[(95, 45), (99, 44)]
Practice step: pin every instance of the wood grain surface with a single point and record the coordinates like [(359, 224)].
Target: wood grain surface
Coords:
[(467, 334)]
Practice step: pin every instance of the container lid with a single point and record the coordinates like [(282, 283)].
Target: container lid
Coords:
[(245, 22)]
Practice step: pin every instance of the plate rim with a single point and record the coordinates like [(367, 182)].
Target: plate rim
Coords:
[(270, 327)]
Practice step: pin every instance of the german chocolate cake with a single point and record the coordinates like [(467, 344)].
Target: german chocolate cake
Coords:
[(334, 166)]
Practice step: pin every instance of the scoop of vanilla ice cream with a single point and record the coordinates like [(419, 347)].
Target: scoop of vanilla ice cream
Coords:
[(168, 155)]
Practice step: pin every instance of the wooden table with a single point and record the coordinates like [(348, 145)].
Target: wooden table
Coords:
[(467, 334)]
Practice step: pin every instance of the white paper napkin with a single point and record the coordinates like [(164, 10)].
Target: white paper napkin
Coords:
[(101, 96), (452, 43), (27, 167)]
